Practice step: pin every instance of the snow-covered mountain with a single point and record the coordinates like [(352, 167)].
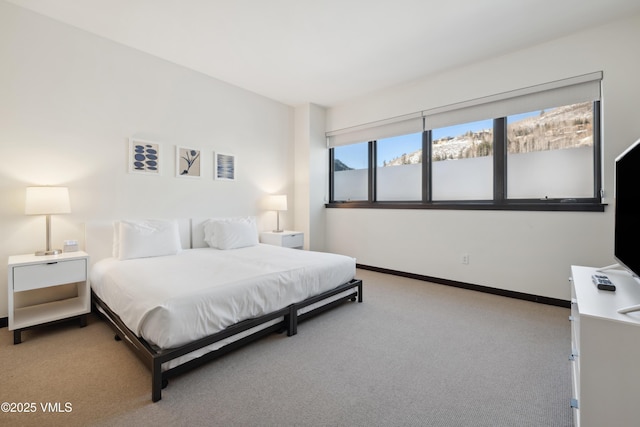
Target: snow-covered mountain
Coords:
[(559, 128)]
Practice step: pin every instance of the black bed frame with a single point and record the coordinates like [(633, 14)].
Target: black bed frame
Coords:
[(154, 358)]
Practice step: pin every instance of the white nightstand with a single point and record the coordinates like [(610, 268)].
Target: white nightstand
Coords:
[(44, 289), (287, 239)]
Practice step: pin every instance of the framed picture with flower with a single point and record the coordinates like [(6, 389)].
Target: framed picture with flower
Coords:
[(187, 162)]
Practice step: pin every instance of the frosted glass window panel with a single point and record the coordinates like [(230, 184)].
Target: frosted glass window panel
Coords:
[(556, 174), (467, 179), (399, 170), (400, 183), (351, 185), (351, 170)]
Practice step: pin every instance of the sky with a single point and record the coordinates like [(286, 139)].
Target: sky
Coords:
[(355, 155)]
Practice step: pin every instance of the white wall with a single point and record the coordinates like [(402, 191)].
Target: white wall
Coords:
[(521, 251), (311, 183), (70, 100)]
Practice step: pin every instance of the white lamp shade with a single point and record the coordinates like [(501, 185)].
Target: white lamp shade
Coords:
[(276, 202), (47, 200)]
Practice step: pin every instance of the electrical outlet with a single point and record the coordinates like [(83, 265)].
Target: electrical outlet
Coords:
[(465, 258)]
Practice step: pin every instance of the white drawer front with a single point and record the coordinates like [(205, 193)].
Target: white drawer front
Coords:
[(293, 240), (49, 274)]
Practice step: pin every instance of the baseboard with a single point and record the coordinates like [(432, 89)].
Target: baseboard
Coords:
[(4, 322), (486, 289)]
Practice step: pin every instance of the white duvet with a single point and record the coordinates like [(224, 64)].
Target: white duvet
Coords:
[(173, 300)]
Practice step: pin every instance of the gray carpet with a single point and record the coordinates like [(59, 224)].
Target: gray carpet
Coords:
[(413, 354)]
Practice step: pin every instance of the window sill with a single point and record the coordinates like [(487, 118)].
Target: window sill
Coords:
[(573, 206)]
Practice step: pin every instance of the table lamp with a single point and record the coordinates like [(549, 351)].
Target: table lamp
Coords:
[(47, 201), (277, 202)]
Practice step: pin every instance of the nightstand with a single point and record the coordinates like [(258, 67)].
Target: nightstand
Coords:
[(45, 289), (287, 239)]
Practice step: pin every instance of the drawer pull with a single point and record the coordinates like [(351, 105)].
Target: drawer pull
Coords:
[(52, 262)]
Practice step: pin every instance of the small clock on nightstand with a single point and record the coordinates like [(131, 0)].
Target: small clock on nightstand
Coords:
[(286, 239), (44, 289)]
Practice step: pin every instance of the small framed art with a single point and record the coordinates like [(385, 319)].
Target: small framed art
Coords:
[(187, 162), (225, 167), (144, 157)]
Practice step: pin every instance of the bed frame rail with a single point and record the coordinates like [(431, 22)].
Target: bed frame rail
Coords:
[(154, 358)]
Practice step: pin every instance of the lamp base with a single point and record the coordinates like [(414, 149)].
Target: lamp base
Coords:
[(277, 231), (49, 252)]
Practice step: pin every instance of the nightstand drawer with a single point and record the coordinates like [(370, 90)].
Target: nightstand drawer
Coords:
[(293, 240), (49, 274)]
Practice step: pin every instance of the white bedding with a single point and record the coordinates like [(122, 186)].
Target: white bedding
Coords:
[(173, 300)]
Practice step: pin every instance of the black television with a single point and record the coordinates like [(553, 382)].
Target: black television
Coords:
[(627, 209)]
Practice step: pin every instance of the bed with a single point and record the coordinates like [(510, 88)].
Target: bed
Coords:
[(183, 292)]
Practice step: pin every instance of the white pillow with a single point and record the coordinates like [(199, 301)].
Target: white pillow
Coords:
[(147, 238), (235, 234), (209, 235), (230, 233)]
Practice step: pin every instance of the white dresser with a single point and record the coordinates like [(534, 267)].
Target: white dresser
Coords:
[(605, 347)]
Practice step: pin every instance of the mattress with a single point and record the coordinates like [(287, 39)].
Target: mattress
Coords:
[(173, 300)]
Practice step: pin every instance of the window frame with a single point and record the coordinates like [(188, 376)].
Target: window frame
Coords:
[(500, 200)]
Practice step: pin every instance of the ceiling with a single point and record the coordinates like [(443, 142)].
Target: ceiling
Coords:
[(328, 51)]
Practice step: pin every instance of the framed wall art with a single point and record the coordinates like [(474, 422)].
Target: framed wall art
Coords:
[(187, 162), (144, 157), (224, 167)]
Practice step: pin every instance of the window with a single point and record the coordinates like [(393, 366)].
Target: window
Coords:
[(350, 176), (462, 158), (399, 168), (550, 153), (536, 148)]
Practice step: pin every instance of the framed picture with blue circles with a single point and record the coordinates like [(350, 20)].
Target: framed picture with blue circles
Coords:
[(144, 157)]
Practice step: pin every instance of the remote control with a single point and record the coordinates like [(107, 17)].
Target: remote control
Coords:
[(603, 282)]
